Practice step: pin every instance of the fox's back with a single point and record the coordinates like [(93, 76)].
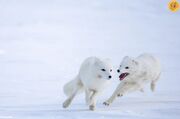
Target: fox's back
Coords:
[(151, 63)]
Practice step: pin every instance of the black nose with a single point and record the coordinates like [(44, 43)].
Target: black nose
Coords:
[(110, 76), (118, 70)]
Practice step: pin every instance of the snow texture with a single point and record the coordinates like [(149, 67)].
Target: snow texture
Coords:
[(43, 43)]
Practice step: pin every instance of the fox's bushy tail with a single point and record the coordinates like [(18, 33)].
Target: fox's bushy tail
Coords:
[(72, 86)]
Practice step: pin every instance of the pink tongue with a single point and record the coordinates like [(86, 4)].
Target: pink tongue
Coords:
[(122, 76)]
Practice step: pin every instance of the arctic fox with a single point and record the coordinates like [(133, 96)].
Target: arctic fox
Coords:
[(94, 76), (135, 73)]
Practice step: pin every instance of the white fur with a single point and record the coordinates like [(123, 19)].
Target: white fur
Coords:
[(142, 70), (90, 79)]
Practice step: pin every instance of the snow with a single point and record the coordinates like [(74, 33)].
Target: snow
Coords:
[(43, 42)]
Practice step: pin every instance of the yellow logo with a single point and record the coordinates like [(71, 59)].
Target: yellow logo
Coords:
[(173, 5)]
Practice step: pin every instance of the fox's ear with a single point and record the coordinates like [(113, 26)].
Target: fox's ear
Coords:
[(107, 60), (135, 62), (97, 61), (126, 57)]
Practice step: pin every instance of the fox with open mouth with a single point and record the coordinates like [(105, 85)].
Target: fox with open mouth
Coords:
[(134, 73)]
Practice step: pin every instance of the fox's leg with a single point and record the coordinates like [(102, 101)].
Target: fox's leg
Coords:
[(93, 100), (114, 95), (129, 87), (68, 101), (88, 94), (120, 91), (153, 83), (141, 90), (76, 87)]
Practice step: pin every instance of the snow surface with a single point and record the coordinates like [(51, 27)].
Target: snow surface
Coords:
[(43, 42)]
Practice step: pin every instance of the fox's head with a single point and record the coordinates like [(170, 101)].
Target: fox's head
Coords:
[(127, 67), (103, 69)]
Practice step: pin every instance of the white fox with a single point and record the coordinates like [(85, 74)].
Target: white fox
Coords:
[(135, 73), (94, 76)]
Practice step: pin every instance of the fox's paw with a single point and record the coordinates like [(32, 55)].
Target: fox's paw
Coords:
[(106, 103), (66, 104), (141, 90), (92, 107), (120, 95)]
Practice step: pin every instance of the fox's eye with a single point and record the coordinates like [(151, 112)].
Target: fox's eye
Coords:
[(103, 70), (126, 67), (110, 70)]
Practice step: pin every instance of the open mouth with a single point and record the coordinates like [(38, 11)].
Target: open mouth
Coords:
[(122, 76)]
